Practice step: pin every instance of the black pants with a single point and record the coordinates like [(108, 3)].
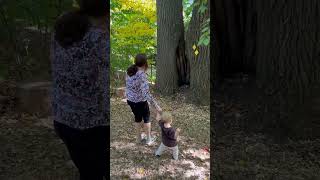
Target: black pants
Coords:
[(88, 149), (140, 111)]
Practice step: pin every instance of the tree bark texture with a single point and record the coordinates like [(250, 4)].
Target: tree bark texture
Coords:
[(288, 66), (235, 30), (279, 41), (199, 64), (169, 32)]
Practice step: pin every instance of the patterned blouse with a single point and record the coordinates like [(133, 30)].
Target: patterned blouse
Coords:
[(137, 89), (80, 97)]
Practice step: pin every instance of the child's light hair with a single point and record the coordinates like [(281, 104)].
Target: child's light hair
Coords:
[(167, 117)]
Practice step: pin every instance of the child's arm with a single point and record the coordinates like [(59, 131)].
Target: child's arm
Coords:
[(176, 136)]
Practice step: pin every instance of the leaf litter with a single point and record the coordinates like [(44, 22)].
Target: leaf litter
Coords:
[(132, 161)]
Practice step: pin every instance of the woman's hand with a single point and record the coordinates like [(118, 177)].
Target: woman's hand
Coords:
[(158, 117), (159, 109)]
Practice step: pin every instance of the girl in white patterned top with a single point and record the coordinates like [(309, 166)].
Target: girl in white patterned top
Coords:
[(138, 96)]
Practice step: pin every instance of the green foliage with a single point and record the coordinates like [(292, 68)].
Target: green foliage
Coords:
[(202, 6), (133, 31), (204, 39), (25, 31), (152, 78), (119, 64), (187, 12), (152, 71), (37, 13)]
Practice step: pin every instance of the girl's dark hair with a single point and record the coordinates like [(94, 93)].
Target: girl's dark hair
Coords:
[(72, 26), (139, 61), (132, 70)]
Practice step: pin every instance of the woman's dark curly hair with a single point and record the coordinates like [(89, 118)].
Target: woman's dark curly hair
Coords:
[(72, 26)]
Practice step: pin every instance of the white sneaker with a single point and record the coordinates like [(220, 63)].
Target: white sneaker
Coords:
[(151, 141), (143, 137)]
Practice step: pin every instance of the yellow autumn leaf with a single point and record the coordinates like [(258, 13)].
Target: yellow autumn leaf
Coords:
[(135, 29), (147, 7)]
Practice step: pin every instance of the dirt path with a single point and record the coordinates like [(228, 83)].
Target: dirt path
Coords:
[(131, 161)]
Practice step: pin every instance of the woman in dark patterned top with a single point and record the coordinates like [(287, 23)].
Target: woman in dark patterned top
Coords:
[(80, 101), (138, 96)]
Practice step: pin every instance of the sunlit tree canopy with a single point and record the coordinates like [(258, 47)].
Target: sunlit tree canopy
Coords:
[(133, 30)]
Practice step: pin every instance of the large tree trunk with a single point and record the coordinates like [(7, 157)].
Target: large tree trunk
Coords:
[(170, 58), (281, 45), (199, 64), (228, 29), (249, 33), (235, 30), (288, 66)]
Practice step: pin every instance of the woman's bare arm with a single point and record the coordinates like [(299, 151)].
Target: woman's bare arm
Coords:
[(158, 117)]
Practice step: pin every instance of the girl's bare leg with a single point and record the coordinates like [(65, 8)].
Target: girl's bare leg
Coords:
[(138, 132), (147, 127)]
